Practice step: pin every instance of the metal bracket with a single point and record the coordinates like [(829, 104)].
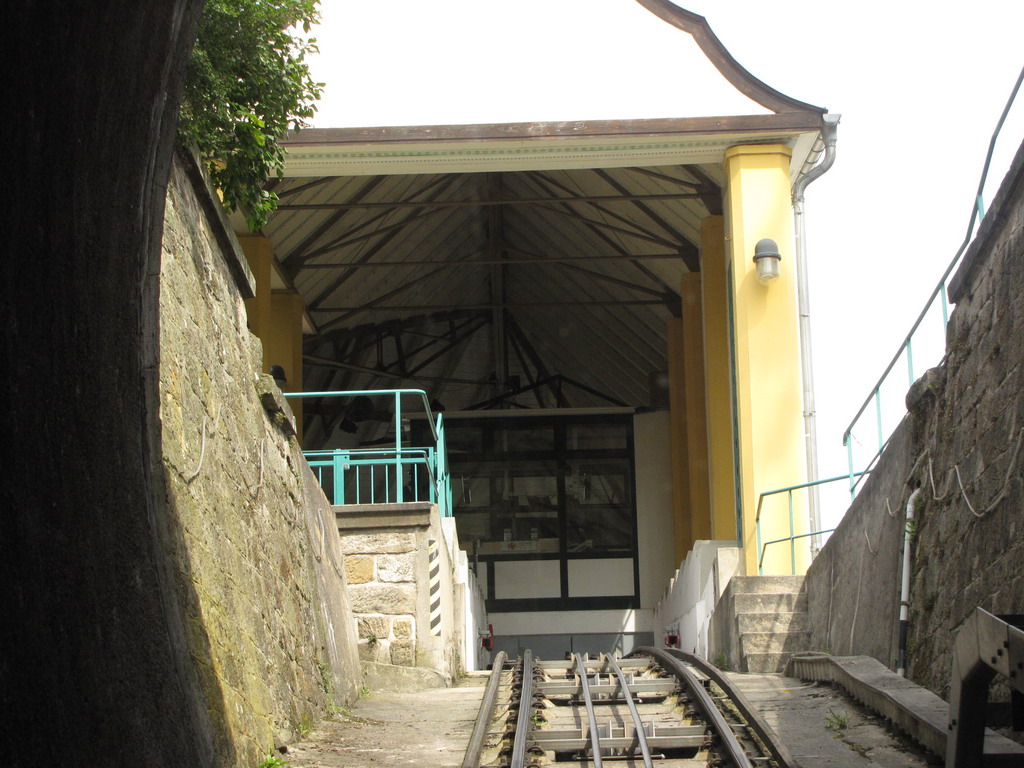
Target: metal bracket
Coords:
[(985, 646)]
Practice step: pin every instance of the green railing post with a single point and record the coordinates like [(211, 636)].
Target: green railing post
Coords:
[(399, 497), (338, 469), (849, 459)]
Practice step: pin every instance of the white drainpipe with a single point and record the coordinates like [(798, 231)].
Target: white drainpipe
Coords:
[(827, 143), (908, 531)]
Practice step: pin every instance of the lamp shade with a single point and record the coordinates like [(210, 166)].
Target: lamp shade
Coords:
[(766, 259)]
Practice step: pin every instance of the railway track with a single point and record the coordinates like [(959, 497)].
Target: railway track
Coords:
[(663, 708)]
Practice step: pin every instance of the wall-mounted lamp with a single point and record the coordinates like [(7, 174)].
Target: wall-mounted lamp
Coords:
[(766, 259)]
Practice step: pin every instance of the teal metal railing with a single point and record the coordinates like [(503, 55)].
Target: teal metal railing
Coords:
[(385, 475), (793, 535), (938, 298)]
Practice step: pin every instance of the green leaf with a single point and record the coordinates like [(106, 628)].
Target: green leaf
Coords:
[(248, 85)]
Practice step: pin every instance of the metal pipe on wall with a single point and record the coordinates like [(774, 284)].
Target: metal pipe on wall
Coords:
[(826, 143)]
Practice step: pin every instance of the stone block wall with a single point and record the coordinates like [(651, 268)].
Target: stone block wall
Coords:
[(962, 443), (382, 579), (388, 565), (853, 585), (969, 424), (260, 573)]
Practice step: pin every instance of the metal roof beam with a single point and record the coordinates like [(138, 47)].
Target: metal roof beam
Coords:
[(298, 254), (371, 252), (691, 258), (350, 237), (618, 247)]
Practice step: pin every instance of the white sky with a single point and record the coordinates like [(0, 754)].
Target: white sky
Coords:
[(920, 86)]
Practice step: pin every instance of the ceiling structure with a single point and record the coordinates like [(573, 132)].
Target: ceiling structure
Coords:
[(530, 265)]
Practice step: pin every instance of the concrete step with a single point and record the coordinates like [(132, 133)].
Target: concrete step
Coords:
[(774, 642), (794, 621), (761, 602), (761, 663), (769, 584)]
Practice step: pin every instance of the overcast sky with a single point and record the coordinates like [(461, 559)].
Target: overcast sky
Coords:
[(920, 90)]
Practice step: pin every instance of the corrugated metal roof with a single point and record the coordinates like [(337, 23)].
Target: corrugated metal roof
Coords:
[(412, 273)]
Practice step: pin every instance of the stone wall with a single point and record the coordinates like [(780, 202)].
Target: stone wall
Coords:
[(259, 569), (853, 585), (969, 422), (961, 443), (390, 551)]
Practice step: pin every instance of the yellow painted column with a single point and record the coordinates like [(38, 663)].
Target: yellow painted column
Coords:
[(714, 268), (696, 412), (678, 443), (259, 252), (275, 317), (284, 346), (767, 353)]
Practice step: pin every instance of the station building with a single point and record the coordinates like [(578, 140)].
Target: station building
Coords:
[(582, 300)]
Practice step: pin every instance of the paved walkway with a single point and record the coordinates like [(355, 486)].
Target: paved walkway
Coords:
[(428, 729), (822, 726)]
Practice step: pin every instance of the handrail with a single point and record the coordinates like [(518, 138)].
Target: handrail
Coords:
[(793, 536), (977, 211), (435, 459), (760, 562)]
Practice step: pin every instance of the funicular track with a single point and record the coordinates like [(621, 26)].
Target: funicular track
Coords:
[(668, 709)]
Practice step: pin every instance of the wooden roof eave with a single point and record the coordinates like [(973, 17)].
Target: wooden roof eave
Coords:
[(697, 26)]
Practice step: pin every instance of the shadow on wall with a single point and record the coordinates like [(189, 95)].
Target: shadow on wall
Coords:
[(260, 582)]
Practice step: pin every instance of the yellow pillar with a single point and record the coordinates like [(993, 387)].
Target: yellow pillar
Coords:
[(284, 346), (696, 412), (714, 268), (678, 442), (275, 317), (767, 353), (259, 252)]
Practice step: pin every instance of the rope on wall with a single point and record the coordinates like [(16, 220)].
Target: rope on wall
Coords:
[(1007, 479), (202, 445)]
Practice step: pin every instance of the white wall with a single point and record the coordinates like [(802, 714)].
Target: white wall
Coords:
[(655, 527), (571, 622), (689, 601), (474, 616)]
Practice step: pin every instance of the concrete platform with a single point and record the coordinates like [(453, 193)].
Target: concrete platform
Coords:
[(420, 728), (914, 710), (822, 726)]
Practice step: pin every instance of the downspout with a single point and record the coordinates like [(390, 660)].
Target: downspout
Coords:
[(908, 531), (826, 142)]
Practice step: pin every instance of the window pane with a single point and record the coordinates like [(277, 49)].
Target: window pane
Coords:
[(528, 439), (599, 506), (589, 437)]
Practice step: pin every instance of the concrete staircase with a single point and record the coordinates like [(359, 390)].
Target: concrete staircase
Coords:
[(771, 620)]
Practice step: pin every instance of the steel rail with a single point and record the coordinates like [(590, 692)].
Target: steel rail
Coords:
[(595, 737), (757, 723), (641, 735), (486, 713), (525, 709), (704, 703)]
